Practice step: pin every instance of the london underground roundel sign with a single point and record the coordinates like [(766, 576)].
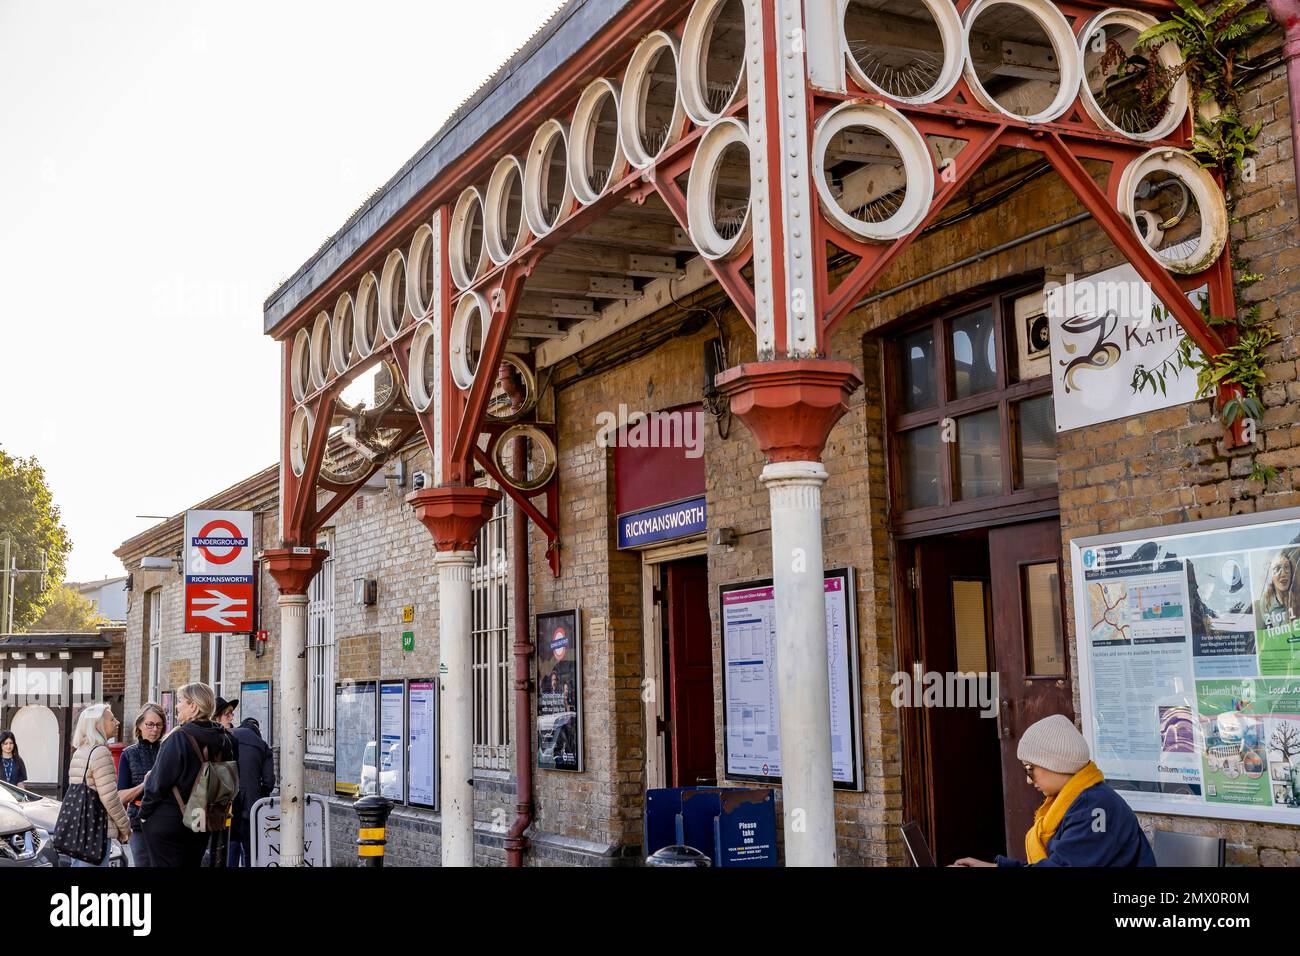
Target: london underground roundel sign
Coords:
[(219, 572)]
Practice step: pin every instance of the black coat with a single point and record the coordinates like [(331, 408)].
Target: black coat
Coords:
[(256, 774), (178, 765), (20, 772)]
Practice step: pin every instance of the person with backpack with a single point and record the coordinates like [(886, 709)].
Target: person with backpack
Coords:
[(256, 780), (192, 784)]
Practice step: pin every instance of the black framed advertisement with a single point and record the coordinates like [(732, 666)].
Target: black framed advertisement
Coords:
[(559, 690), (356, 743)]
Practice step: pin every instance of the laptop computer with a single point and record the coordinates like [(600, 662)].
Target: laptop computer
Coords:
[(918, 850)]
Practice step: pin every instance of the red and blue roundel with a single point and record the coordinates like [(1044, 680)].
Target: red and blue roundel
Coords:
[(559, 643)]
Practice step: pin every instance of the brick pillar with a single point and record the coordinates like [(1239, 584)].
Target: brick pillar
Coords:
[(293, 570), (454, 516), (790, 407)]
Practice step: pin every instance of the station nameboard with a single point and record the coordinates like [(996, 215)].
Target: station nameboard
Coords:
[(219, 572)]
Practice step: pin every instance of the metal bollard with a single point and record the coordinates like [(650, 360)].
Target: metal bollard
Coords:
[(678, 856), (372, 818)]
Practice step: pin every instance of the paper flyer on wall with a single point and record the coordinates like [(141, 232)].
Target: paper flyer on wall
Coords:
[(1187, 644)]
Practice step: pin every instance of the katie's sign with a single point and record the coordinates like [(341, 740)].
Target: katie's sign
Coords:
[(219, 572), (662, 523), (1103, 328)]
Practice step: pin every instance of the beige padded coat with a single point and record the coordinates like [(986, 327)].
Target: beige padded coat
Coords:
[(102, 778)]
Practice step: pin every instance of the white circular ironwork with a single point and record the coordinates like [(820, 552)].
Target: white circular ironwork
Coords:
[(366, 333), (467, 338), (300, 430), (504, 228), (1065, 53), (547, 193), (650, 114), (909, 76), (712, 59), (420, 272), (596, 159), (467, 252), (421, 375), (341, 334), (393, 313), (321, 372), (888, 215), (513, 376), (1125, 107), (300, 365), (540, 442), (719, 225), (1185, 256)]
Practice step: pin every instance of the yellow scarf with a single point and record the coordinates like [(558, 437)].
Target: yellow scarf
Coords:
[(1049, 816)]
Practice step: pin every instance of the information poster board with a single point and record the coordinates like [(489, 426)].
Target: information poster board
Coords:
[(392, 740), (355, 738), (1189, 665), (422, 743), (255, 700), (750, 706), (559, 691)]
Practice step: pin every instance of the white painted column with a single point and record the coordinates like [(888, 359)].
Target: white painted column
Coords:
[(803, 680), (456, 689), (293, 725)]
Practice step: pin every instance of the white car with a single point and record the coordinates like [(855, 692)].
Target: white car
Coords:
[(42, 813)]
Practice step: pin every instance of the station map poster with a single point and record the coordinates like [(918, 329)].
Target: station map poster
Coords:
[(750, 711), (255, 701), (559, 691), (355, 718), (392, 739), (1189, 665), (422, 743)]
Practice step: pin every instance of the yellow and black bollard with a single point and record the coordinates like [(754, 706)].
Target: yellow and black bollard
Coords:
[(372, 818)]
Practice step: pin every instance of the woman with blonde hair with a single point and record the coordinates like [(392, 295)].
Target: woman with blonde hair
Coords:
[(92, 766), (133, 770), (194, 740)]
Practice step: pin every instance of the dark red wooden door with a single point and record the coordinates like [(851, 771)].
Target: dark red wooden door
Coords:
[(1033, 660), (690, 673)]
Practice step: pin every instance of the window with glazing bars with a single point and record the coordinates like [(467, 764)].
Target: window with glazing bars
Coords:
[(491, 627), (320, 659)]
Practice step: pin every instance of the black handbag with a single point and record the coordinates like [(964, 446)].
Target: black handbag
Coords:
[(81, 831)]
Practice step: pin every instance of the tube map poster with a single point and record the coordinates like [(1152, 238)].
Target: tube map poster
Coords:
[(1189, 664)]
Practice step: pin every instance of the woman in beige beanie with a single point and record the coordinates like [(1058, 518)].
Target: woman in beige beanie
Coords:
[(1082, 821)]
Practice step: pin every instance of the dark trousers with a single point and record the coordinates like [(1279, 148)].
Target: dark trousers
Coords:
[(239, 854), (171, 843), (139, 846)]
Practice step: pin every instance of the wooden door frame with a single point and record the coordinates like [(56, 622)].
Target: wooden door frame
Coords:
[(918, 796), (651, 651)]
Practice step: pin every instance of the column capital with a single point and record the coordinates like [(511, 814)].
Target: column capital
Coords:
[(454, 514), (293, 568), (790, 405)]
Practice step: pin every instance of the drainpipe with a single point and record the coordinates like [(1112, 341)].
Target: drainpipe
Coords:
[(516, 842), (1287, 13)]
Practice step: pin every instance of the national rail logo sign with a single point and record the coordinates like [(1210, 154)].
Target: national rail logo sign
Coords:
[(219, 572)]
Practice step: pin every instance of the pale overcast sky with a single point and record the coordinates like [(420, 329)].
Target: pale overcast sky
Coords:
[(163, 167)]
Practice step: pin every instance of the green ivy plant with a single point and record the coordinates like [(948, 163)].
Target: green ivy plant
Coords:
[(1213, 41)]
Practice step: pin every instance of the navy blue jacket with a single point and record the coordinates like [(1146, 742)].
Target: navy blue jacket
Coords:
[(1088, 838), (256, 775)]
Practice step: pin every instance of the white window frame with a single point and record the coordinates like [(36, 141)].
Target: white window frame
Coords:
[(154, 604), (322, 656), (492, 610), (217, 664)]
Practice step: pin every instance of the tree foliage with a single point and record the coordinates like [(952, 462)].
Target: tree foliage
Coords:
[(69, 612), (30, 517)]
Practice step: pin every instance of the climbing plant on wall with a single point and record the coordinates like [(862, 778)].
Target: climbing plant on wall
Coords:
[(1213, 40)]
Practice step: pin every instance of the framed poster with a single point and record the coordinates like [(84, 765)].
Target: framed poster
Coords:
[(255, 700), (392, 740), (559, 691), (422, 742), (751, 724), (1189, 664), (356, 746)]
